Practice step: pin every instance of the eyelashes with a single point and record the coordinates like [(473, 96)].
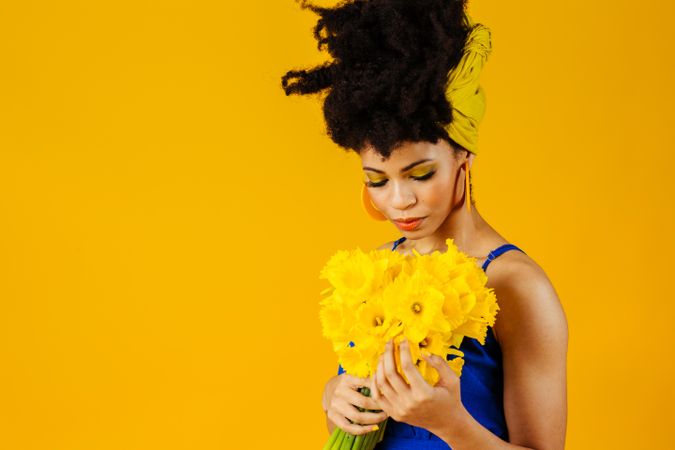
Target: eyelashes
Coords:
[(424, 177)]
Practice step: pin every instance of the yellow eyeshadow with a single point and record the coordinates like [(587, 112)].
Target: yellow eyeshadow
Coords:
[(421, 172), (416, 172)]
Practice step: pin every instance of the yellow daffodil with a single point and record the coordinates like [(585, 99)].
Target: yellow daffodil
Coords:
[(356, 360), (414, 352), (433, 301), (432, 343), (354, 272), (456, 364), (417, 303), (372, 318)]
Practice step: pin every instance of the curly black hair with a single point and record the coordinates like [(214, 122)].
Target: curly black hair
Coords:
[(388, 79)]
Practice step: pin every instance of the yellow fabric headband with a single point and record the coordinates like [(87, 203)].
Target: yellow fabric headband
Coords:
[(464, 92)]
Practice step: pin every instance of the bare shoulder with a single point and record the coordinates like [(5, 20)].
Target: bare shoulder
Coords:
[(532, 331), (526, 297)]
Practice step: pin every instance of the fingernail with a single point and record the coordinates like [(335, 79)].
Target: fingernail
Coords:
[(375, 428)]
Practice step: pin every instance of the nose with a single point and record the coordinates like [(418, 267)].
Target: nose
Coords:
[(402, 197)]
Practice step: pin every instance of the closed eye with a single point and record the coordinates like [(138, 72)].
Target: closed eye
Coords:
[(424, 177)]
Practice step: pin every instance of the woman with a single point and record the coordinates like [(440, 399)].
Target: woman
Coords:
[(404, 95)]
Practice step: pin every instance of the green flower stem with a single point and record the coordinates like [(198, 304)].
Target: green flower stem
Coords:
[(332, 438), (348, 442), (358, 442), (383, 426), (370, 440), (338, 441), (376, 438), (365, 445)]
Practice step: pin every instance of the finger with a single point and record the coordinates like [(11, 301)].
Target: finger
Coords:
[(349, 390), (380, 401), (351, 412), (355, 382), (356, 398), (447, 376), (363, 417), (417, 382), (397, 383), (382, 387), (375, 395), (352, 428)]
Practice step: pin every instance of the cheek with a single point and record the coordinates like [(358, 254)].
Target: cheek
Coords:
[(438, 195)]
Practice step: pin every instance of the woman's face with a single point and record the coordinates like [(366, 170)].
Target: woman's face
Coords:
[(418, 180)]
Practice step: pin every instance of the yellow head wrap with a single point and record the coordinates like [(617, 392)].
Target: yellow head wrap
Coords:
[(465, 95)]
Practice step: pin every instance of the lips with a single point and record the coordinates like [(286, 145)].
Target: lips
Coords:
[(408, 220), (409, 224)]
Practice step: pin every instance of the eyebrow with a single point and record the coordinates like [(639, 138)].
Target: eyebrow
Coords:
[(406, 168)]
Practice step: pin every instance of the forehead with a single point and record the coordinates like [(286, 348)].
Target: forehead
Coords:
[(405, 154)]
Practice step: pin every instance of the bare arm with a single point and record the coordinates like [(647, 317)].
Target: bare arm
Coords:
[(533, 336), (325, 400), (532, 331)]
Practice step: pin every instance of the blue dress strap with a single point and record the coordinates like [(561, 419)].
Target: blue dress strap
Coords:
[(491, 256), (498, 251), (397, 242)]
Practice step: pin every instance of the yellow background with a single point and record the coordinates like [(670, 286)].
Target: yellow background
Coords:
[(165, 210)]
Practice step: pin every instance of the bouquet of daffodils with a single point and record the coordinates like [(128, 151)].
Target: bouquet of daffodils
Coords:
[(433, 300)]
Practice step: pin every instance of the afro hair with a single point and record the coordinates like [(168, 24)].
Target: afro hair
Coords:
[(386, 83)]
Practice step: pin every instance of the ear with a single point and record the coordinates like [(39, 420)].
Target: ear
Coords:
[(470, 158)]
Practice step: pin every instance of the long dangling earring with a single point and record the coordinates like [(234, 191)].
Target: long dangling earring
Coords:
[(467, 188), (368, 206)]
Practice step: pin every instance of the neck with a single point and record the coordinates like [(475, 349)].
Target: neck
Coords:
[(467, 229)]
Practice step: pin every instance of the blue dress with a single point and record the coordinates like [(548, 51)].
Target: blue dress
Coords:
[(481, 388)]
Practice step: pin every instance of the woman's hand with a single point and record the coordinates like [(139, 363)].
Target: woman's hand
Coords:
[(341, 408), (433, 408)]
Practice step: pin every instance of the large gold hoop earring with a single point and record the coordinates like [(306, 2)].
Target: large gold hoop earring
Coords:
[(467, 188), (368, 206)]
